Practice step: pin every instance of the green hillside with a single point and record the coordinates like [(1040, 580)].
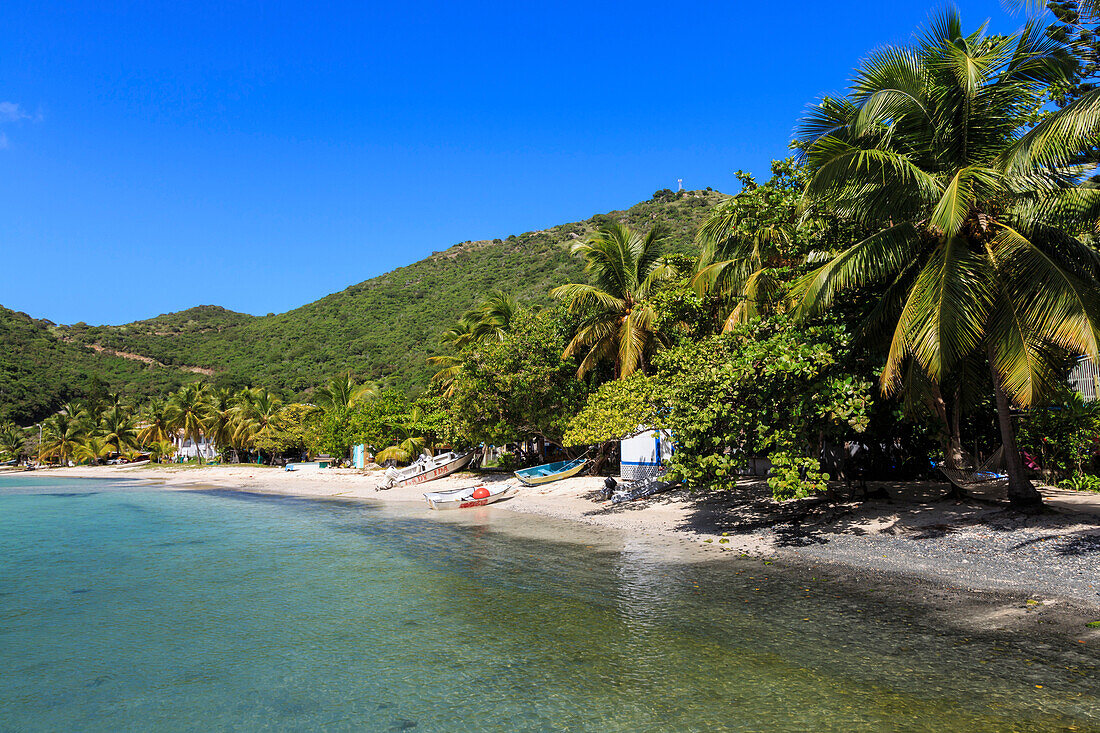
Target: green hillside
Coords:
[(382, 328), (40, 368)]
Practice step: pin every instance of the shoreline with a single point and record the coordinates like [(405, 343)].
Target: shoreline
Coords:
[(1040, 567)]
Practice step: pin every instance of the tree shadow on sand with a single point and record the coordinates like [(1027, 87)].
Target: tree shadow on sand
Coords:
[(913, 511)]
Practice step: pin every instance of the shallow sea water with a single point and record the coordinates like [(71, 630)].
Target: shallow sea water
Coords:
[(130, 608)]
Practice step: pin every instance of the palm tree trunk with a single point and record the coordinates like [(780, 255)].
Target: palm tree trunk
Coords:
[(950, 440), (1021, 492)]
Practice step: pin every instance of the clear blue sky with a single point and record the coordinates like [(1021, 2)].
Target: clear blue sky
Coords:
[(156, 156)]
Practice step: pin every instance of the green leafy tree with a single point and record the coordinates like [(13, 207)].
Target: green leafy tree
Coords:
[(617, 409), (518, 386), (749, 243), (767, 388), (971, 216), (618, 324), (287, 433), (1063, 436)]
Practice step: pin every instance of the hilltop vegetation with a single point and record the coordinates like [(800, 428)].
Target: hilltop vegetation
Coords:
[(40, 368), (380, 329)]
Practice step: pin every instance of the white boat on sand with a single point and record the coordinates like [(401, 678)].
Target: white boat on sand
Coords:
[(426, 468), (470, 496)]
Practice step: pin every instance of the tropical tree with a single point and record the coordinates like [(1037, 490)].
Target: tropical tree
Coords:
[(222, 419), (62, 436), (618, 323), (190, 411), (12, 440), (971, 214), (492, 318), (92, 448), (117, 430), (341, 391), (746, 243), (258, 409), (412, 443), (160, 449), (155, 426)]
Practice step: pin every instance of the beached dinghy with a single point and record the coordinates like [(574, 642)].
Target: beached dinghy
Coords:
[(471, 496), (426, 468), (634, 490), (550, 472)]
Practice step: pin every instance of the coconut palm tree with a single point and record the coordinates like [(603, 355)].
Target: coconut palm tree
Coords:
[(411, 444), (160, 449), (62, 436), (223, 418), (117, 430), (746, 241), (258, 409), (342, 391), (92, 448), (492, 317), (972, 217), (12, 440), (156, 422), (619, 323), (190, 411), (489, 319)]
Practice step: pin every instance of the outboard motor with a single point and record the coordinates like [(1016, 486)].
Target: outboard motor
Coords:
[(608, 489)]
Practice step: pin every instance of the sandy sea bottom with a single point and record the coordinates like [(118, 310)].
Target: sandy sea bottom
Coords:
[(135, 608)]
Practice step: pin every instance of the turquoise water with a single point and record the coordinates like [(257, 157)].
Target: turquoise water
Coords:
[(126, 608)]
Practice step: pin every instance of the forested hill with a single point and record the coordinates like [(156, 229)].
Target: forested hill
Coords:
[(382, 328)]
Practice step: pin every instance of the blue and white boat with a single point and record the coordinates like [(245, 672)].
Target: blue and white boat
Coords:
[(549, 472)]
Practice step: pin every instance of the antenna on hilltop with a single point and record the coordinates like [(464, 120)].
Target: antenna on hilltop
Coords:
[(680, 184)]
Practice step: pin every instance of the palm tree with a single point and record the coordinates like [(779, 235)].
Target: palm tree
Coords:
[(189, 412), (158, 450), (92, 448), (258, 409), (342, 391), (156, 423), (410, 445), (745, 241), (118, 430), (489, 319), (493, 316), (62, 436), (223, 418), (970, 215), (12, 440), (619, 325)]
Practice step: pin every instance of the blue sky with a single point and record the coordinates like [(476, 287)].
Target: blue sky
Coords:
[(156, 156)]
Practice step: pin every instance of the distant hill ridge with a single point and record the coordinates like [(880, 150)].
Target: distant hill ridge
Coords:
[(382, 328)]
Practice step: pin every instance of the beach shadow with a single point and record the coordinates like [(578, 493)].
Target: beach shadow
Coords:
[(913, 511)]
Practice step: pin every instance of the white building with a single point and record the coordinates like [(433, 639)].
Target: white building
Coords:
[(1085, 378), (644, 453), (188, 448)]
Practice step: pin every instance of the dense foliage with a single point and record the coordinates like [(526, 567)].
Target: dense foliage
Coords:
[(762, 389), (517, 386)]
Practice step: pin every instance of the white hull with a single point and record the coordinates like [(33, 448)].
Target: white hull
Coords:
[(427, 470), (463, 498)]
